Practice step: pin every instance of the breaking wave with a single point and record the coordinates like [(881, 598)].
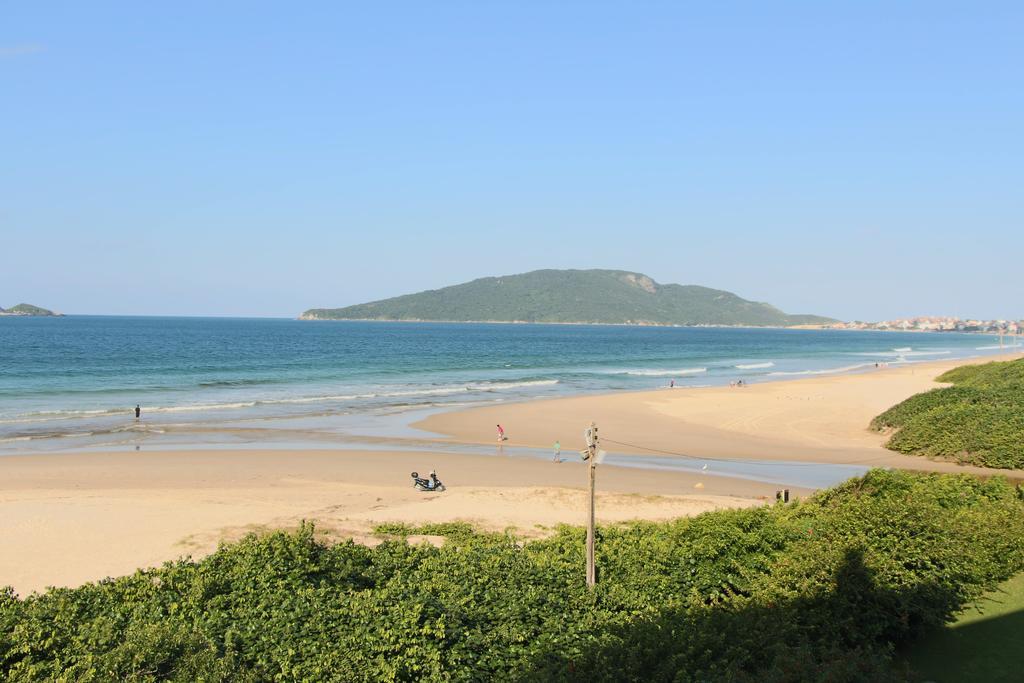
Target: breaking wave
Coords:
[(485, 387), (657, 372), (827, 371), (902, 353)]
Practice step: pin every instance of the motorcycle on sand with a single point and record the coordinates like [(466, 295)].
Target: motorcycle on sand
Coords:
[(429, 484)]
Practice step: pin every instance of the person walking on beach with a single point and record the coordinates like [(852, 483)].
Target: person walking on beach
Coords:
[(558, 451), (138, 411), (501, 433)]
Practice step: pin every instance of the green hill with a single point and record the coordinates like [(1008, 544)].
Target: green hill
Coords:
[(572, 296), (28, 309)]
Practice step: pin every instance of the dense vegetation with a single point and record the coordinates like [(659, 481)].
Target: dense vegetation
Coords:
[(27, 309), (589, 296), (979, 420), (821, 589)]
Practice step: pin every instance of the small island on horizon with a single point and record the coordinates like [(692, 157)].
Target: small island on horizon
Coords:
[(29, 310), (611, 297)]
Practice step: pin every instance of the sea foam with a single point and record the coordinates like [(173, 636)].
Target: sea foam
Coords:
[(902, 353), (475, 387), (827, 371), (656, 372)]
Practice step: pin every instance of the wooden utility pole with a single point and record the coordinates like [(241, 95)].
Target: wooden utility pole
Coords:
[(591, 457)]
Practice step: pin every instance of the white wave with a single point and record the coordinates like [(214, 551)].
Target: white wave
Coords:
[(754, 366), (827, 371), (135, 428), (198, 407), (145, 429), (457, 389), (49, 435), (436, 391), (527, 383), (81, 412), (897, 353), (23, 420), (658, 372), (48, 415), (201, 406), (997, 346), (315, 399), (904, 348)]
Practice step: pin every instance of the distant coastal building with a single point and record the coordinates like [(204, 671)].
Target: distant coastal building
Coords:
[(936, 324)]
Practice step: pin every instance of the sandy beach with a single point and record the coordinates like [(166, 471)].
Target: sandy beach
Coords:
[(72, 518), (76, 517), (822, 418)]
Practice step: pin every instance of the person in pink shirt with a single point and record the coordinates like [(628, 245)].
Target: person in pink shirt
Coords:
[(501, 433)]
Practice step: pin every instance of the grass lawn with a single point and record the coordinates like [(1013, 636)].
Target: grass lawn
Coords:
[(985, 644)]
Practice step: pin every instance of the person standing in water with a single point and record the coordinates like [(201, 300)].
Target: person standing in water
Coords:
[(558, 451), (138, 411), (501, 433)]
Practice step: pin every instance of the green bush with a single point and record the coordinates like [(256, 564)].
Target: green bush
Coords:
[(823, 589), (978, 421), (1004, 374)]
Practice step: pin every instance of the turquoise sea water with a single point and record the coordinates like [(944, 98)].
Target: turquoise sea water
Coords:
[(72, 382)]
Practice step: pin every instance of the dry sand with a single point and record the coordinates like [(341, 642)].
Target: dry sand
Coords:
[(76, 517)]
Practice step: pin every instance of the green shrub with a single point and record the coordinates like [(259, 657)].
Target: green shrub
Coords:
[(823, 589), (978, 421), (999, 374)]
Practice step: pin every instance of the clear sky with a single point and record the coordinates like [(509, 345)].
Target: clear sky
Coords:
[(853, 159)]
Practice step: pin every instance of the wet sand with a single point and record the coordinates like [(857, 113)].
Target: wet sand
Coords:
[(821, 419)]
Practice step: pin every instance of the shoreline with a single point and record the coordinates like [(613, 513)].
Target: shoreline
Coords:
[(143, 508), (86, 431), (819, 418), (552, 322), (800, 327)]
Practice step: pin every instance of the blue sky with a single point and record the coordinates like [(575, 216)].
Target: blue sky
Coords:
[(854, 159)]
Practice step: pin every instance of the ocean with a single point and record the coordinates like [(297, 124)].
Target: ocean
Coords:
[(73, 382)]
